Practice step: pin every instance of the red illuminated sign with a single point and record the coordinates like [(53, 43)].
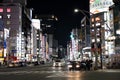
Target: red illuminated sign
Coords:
[(1, 9), (8, 9)]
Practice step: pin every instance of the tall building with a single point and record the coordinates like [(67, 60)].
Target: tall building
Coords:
[(114, 12), (35, 40), (100, 25), (75, 45), (22, 2), (98, 6), (48, 42), (16, 18)]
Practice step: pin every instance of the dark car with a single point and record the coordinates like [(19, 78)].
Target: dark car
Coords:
[(73, 65), (83, 65), (22, 64)]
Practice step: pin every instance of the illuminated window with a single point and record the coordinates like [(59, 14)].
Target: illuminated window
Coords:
[(0, 16), (22, 33), (8, 16), (8, 9), (37, 34), (8, 22), (97, 19), (92, 29), (92, 20), (98, 39), (93, 40), (37, 38), (1, 9)]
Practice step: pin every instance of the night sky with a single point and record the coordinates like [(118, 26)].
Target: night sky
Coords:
[(64, 10)]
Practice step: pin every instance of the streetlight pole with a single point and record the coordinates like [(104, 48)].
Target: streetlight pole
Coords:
[(95, 44), (95, 31), (83, 12)]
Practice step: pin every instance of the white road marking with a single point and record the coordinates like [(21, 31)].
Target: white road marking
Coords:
[(71, 74), (110, 70), (53, 73)]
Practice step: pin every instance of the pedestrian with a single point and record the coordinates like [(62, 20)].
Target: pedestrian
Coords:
[(88, 64)]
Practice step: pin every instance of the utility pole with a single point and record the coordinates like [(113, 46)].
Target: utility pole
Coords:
[(83, 34), (93, 26)]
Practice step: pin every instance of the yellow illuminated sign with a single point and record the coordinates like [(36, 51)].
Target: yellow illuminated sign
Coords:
[(1, 52)]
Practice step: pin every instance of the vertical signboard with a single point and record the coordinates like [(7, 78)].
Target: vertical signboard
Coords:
[(1, 44)]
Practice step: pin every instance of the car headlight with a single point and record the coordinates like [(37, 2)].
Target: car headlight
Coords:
[(53, 64), (69, 66), (77, 66), (59, 64)]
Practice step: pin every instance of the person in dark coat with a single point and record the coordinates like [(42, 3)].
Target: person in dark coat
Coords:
[(88, 64)]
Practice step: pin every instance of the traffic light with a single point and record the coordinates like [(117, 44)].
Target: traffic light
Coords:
[(71, 36)]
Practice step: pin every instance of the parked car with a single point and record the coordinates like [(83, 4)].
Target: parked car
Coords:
[(10, 65), (13, 64), (22, 64)]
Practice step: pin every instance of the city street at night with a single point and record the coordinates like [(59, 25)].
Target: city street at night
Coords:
[(43, 72), (59, 40)]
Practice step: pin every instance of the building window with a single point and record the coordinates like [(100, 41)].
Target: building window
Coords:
[(8, 22), (8, 16), (1, 17), (8, 9), (1, 9)]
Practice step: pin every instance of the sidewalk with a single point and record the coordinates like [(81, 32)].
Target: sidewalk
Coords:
[(109, 70)]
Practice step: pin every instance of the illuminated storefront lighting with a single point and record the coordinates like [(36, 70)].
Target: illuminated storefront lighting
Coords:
[(118, 31), (93, 40)]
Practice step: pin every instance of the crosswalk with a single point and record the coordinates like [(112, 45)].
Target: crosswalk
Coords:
[(24, 72), (52, 73), (70, 74)]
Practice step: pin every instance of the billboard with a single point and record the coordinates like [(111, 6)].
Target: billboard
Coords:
[(97, 6), (36, 23)]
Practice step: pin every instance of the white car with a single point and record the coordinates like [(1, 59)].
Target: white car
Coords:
[(58, 63)]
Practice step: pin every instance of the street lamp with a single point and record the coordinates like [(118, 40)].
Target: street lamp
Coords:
[(83, 12), (84, 20)]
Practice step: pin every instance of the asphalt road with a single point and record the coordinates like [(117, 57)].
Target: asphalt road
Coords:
[(52, 73)]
